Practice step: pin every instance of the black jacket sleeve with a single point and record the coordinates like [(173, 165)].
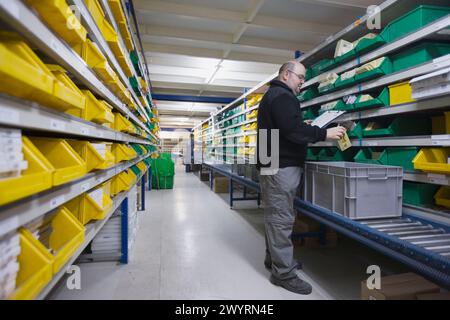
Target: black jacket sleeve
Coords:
[(286, 113)]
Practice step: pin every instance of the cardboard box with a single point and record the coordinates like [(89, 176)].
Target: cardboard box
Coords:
[(405, 286), (304, 224), (220, 185)]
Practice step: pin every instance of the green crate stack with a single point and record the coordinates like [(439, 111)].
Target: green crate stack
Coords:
[(163, 172)]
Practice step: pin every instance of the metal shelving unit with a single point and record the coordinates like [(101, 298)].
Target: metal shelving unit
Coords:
[(37, 119), (420, 141), (22, 19)]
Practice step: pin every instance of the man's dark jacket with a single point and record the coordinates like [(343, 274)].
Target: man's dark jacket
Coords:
[(280, 109)]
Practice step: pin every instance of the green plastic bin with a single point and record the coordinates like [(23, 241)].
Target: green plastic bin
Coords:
[(345, 57), (384, 69), (322, 66), (419, 54), (136, 170), (400, 157), (340, 84), (326, 89), (413, 20), (366, 45), (401, 127), (137, 148), (381, 101), (419, 194), (309, 114), (335, 154), (342, 106), (357, 132), (162, 182), (307, 94)]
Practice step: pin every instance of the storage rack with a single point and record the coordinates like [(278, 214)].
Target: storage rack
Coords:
[(438, 218), (35, 119)]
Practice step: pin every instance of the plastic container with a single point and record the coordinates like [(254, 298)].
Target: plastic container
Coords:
[(357, 132), (120, 182), (419, 54), (383, 69), (400, 127), (36, 178), (122, 124), (401, 157), (66, 161), (442, 197), (95, 110), (163, 182), (309, 114), (88, 153), (136, 171), (122, 152), (441, 124), (86, 209), (355, 190), (366, 45), (400, 93), (334, 154), (322, 66), (307, 94), (66, 94), (66, 238), (312, 154), (345, 57), (116, 8), (96, 11), (433, 160), (382, 100), (142, 166), (60, 18), (413, 20), (93, 57), (418, 194), (36, 267), (340, 83)]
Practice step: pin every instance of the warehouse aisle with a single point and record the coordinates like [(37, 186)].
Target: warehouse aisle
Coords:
[(190, 245)]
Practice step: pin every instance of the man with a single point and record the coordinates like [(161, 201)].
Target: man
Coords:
[(280, 109)]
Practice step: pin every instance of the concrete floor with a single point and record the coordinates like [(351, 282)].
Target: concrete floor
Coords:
[(191, 245)]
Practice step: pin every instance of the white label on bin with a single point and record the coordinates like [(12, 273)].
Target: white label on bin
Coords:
[(9, 116), (57, 201), (371, 143), (85, 187), (57, 125)]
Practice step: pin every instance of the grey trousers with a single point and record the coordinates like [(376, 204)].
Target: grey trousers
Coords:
[(278, 193)]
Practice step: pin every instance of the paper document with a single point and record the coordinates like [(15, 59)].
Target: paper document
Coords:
[(326, 118)]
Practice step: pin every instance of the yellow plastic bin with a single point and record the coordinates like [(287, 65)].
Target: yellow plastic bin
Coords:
[(22, 72), (433, 160), (116, 8), (442, 197), (141, 165), (36, 178), (93, 57), (96, 11), (66, 237), (400, 93), (120, 182), (66, 93), (88, 153), (60, 18), (95, 110), (126, 35), (441, 124), (35, 267), (122, 152), (107, 187), (110, 160), (86, 209), (250, 126), (66, 161), (122, 124)]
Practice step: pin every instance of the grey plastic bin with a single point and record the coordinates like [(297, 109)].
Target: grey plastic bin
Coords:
[(355, 190)]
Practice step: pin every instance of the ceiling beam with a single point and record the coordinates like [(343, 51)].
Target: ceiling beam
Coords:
[(202, 12), (211, 53), (339, 4)]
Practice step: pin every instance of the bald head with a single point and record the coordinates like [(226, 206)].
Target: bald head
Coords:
[(292, 73)]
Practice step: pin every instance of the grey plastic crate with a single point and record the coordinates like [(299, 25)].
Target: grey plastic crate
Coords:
[(355, 190)]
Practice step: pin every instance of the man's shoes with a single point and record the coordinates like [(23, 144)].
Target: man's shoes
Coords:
[(268, 264), (295, 285)]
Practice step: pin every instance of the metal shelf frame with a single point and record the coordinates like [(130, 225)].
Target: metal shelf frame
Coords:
[(92, 229), (18, 213), (407, 141), (238, 114), (22, 19), (29, 115)]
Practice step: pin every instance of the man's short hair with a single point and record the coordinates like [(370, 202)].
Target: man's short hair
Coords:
[(286, 66)]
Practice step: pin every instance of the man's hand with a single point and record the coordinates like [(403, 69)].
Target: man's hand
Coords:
[(308, 122), (335, 133)]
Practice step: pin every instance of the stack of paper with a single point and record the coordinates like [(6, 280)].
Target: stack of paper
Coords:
[(329, 106), (41, 228), (9, 267), (328, 79), (367, 36), (342, 47), (11, 155)]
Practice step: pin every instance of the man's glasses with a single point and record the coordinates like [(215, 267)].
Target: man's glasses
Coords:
[(300, 76)]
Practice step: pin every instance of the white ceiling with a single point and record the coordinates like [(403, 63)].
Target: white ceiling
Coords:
[(220, 47)]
